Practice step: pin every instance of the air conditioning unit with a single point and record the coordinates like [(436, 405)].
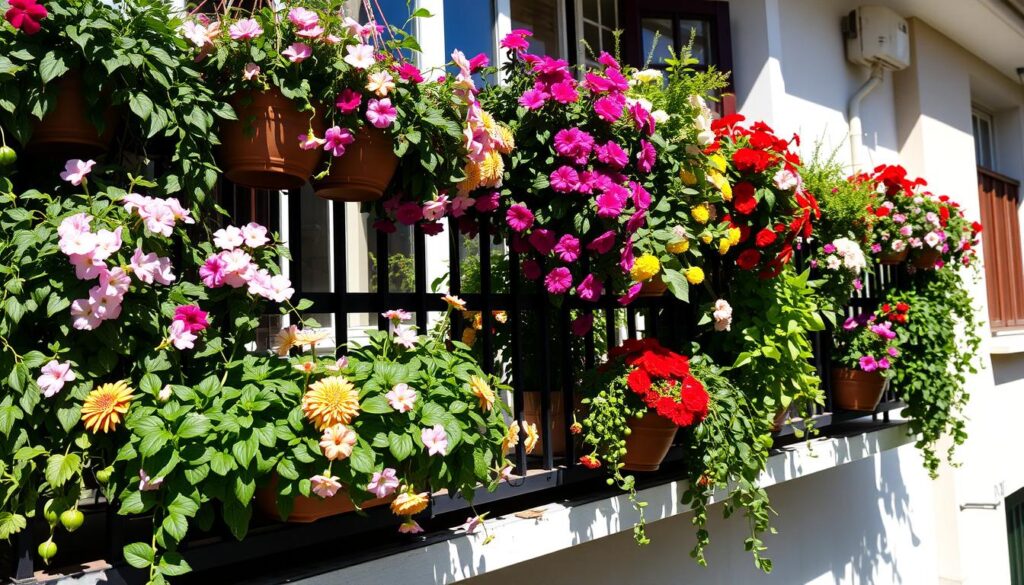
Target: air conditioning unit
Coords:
[(875, 35)]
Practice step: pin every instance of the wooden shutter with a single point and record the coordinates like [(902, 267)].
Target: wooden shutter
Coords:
[(999, 197)]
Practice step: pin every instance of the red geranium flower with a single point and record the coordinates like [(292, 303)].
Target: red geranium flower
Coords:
[(765, 238), (743, 198), (748, 259), (752, 161), (590, 462), (25, 15), (639, 381)]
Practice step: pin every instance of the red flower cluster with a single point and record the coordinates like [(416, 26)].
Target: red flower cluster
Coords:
[(897, 313), (770, 206), (663, 379), (25, 15)]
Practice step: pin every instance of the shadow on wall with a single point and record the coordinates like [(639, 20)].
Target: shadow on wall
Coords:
[(846, 526)]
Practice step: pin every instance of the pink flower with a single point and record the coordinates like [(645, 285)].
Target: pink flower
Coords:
[(516, 40), (83, 314), (396, 315), (151, 268), (381, 113), (54, 375), (488, 202), (603, 243), (410, 526), (298, 52), (478, 62), (461, 204), (360, 56), (626, 257), (432, 228), (147, 483), (303, 18), (883, 364), (612, 155), (568, 248), (212, 272), (636, 221), (608, 61), (531, 269), (646, 158), (435, 440), (336, 139), (542, 240), (533, 99), (409, 213), (245, 29), (435, 209), (893, 352), (868, 363), (610, 204), (590, 288), (575, 144), (405, 336), (310, 142), (565, 92), (641, 197), (348, 101), (311, 33), (564, 179), (519, 218), (558, 280), (76, 170), (609, 108), (642, 117), (192, 316), (339, 364), (228, 238), (180, 336), (324, 486), (255, 234), (631, 294), (582, 325), (383, 483), (402, 398), (251, 70), (409, 72), (25, 15)]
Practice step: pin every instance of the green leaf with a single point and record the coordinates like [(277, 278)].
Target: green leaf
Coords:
[(176, 525), (173, 564), (432, 414), (677, 284), (139, 555), (61, 468), (237, 518), (11, 524), (141, 105), (183, 505), (222, 463), (194, 425), (401, 446), (362, 459), (376, 404), (52, 66), (153, 442)]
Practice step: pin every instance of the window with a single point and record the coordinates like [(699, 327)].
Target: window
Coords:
[(546, 18), (597, 20), (1015, 535), (999, 197)]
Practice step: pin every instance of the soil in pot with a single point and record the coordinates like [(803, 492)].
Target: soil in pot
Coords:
[(648, 442), (926, 260), (261, 149), (891, 258), (67, 131), (856, 389), (312, 508), (364, 171)]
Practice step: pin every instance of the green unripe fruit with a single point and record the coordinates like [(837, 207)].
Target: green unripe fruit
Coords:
[(47, 550), (7, 156), (628, 431), (49, 514), (103, 475), (610, 481), (72, 520)]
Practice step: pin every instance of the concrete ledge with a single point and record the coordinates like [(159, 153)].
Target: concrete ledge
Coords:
[(555, 527)]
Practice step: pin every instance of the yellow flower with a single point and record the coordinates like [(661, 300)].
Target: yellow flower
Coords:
[(491, 169), (330, 401), (506, 141), (454, 302), (645, 267), (309, 337), (105, 406), (511, 437), (531, 438), (706, 237), (472, 180), (689, 179), (469, 336), (723, 246), (500, 316), (482, 390), (285, 340), (409, 502), (488, 121), (722, 184), (694, 275), (678, 247), (718, 162), (734, 236), (701, 214)]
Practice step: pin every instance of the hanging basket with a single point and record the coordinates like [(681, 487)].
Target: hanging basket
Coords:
[(654, 287), (67, 131), (893, 258), (312, 508), (261, 149), (648, 442), (364, 171), (927, 259), (856, 389)]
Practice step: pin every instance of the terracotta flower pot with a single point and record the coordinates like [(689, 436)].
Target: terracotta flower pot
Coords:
[(364, 171), (261, 148), (310, 509), (649, 442), (891, 258), (927, 259), (856, 389), (67, 130), (532, 415), (655, 287)]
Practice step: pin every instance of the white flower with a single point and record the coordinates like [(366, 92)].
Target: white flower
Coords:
[(932, 239), (165, 393), (833, 262), (852, 255), (360, 56), (255, 235), (647, 75), (660, 116), (228, 238), (786, 179), (722, 315)]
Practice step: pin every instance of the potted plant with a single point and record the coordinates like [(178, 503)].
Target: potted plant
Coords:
[(396, 420), (866, 349)]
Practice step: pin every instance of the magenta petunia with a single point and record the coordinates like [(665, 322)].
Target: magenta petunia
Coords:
[(193, 318), (597, 84), (568, 248), (409, 213), (590, 288), (636, 221), (409, 72), (646, 158), (602, 244), (582, 325), (531, 269), (432, 228), (609, 108), (519, 218), (558, 280), (641, 197), (565, 92), (516, 40), (612, 155), (630, 294), (519, 244), (488, 202), (542, 240), (564, 179), (608, 61), (478, 62), (626, 257), (610, 204), (868, 363), (534, 99), (574, 144), (643, 118), (348, 101)]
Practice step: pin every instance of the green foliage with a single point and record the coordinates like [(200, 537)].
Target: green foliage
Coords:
[(940, 346)]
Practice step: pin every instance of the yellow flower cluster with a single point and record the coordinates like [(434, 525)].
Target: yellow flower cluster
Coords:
[(694, 275), (482, 390), (722, 184), (409, 503), (105, 406), (331, 401), (645, 267), (701, 213), (678, 247), (688, 178)]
